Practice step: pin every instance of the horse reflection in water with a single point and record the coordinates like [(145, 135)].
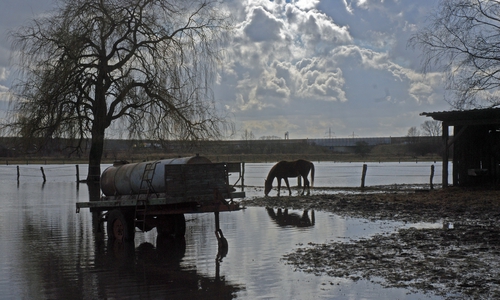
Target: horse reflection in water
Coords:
[(283, 218), (285, 169)]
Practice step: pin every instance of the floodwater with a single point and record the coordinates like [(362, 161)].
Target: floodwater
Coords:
[(48, 251), (345, 174)]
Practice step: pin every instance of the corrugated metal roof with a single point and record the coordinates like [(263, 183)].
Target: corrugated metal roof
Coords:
[(469, 117)]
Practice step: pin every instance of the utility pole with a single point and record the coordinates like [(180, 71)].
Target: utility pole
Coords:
[(330, 133)]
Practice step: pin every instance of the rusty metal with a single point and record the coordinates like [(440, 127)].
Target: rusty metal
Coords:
[(126, 178), (187, 186)]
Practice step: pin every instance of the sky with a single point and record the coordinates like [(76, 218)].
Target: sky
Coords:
[(312, 68)]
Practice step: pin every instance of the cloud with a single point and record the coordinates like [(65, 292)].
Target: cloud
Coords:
[(262, 26), (348, 6), (345, 63), (306, 4), (428, 88), (279, 55), (314, 31), (4, 102), (272, 86), (305, 66), (4, 73), (317, 79)]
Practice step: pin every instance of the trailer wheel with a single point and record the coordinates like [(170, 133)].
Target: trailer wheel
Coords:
[(120, 226), (172, 225)]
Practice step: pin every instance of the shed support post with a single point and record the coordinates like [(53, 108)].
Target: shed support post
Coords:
[(217, 222), (446, 154)]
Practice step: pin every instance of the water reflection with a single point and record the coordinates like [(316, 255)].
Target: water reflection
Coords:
[(61, 267), (47, 251), (157, 272), (284, 218), (223, 246)]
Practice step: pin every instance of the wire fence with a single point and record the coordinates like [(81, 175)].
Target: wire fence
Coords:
[(327, 174), (330, 174), (42, 173)]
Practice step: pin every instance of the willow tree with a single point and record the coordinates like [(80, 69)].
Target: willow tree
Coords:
[(462, 37), (147, 64)]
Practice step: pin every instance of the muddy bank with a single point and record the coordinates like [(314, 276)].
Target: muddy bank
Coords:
[(459, 260)]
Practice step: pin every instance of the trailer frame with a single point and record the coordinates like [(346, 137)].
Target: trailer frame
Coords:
[(189, 189)]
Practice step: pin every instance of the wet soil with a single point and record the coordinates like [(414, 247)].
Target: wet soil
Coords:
[(459, 260)]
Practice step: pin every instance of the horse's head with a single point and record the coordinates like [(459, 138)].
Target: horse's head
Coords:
[(268, 185)]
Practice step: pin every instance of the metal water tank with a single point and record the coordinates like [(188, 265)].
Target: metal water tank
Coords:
[(125, 178)]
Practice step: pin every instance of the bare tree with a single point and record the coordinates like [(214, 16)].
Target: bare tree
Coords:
[(247, 135), (463, 38), (431, 128), (362, 148), (413, 134), (148, 64)]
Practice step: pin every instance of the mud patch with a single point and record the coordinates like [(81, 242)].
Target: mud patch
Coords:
[(463, 261)]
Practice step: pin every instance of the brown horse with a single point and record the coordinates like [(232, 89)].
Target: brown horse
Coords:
[(285, 169)]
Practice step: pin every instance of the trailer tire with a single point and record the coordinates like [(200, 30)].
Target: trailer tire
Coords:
[(172, 225), (120, 226)]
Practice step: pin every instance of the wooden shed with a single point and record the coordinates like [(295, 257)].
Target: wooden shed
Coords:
[(475, 144)]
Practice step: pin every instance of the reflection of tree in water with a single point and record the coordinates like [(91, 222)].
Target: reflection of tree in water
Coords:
[(284, 218), (114, 270), (49, 261), (94, 190)]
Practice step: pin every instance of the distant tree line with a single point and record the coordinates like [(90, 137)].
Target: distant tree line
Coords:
[(422, 146), (123, 149)]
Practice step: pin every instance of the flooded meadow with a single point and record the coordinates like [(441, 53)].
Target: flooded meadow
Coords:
[(48, 251)]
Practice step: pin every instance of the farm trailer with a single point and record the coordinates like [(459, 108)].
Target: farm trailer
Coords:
[(158, 194)]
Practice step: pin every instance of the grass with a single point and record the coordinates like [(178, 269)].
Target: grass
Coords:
[(381, 153)]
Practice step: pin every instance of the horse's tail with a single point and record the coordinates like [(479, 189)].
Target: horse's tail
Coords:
[(312, 174)]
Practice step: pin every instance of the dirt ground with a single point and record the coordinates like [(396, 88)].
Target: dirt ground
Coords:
[(459, 260)]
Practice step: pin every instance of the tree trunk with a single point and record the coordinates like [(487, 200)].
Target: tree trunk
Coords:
[(96, 150), (99, 124)]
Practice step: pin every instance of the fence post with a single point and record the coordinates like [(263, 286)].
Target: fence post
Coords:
[(77, 173), (18, 174), (363, 176), (43, 175), (242, 176), (432, 176)]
